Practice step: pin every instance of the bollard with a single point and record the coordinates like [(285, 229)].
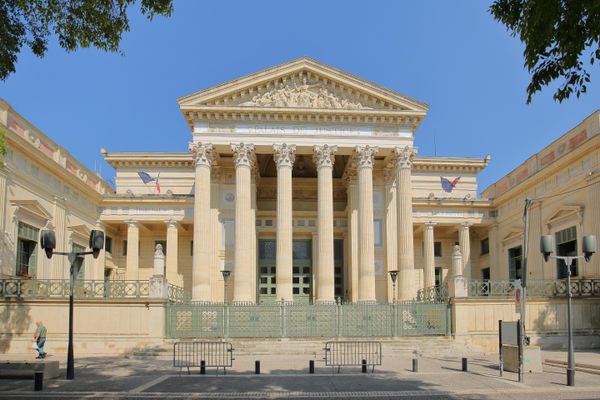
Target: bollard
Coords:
[(202, 367), (311, 367), (38, 381), (464, 364), (257, 367), (415, 365), (364, 366)]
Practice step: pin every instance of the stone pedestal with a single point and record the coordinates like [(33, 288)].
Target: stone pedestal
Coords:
[(458, 287), (159, 287)]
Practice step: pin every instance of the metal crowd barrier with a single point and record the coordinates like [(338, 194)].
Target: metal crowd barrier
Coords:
[(202, 355), (342, 354)]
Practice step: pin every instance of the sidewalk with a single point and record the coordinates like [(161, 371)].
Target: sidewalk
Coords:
[(287, 377)]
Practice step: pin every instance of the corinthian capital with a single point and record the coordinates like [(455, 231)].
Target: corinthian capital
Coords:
[(404, 156), (243, 154), (364, 156), (202, 153), (284, 154), (324, 155)]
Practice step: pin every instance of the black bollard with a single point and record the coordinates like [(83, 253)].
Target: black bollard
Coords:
[(464, 364), (257, 367), (202, 367), (311, 367), (364, 366), (38, 381), (415, 365)]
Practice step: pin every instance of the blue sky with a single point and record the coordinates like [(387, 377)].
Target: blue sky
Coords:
[(451, 55)]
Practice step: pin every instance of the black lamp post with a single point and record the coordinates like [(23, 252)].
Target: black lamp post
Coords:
[(589, 248), (394, 276), (48, 243)]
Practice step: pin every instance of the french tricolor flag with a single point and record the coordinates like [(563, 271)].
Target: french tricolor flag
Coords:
[(146, 178)]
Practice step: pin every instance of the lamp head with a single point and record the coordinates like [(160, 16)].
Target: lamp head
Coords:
[(48, 242), (590, 246), (96, 242), (393, 275), (547, 246), (226, 273)]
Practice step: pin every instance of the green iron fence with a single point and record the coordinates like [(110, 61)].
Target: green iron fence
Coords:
[(306, 320), (59, 288)]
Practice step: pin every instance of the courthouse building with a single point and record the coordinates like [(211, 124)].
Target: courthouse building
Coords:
[(305, 183)]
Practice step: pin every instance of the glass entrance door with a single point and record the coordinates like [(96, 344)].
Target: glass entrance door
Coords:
[(302, 270)]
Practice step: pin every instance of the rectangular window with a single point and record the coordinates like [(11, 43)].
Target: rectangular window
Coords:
[(191, 248), (27, 239), (514, 263), (566, 245), (378, 227), (485, 246), (163, 243), (438, 276), (437, 249), (79, 263), (108, 244), (124, 252)]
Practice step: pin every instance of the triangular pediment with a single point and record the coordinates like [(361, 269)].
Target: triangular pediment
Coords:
[(303, 84), (514, 235), (32, 207), (564, 213)]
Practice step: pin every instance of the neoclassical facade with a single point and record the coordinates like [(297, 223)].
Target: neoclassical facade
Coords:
[(302, 180)]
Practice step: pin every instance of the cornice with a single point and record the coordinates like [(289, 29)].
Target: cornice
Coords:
[(459, 164), (147, 159)]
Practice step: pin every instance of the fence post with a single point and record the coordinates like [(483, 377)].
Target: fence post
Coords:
[(448, 319), (338, 311), (394, 320), (282, 318), (226, 321)]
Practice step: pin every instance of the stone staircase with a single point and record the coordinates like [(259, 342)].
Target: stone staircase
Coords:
[(312, 347)]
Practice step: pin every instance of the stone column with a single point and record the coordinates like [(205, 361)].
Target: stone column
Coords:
[(406, 258), (465, 249), (366, 247), (172, 250), (284, 156), (391, 231), (203, 157), (494, 262), (133, 248), (244, 271), (324, 157), (4, 250), (60, 265), (592, 222), (429, 270), (352, 191)]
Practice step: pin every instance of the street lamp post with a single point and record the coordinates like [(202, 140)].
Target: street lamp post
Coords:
[(48, 243), (394, 276), (589, 248), (226, 273)]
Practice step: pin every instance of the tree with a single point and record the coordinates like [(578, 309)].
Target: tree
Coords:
[(557, 35), (76, 23), (3, 149)]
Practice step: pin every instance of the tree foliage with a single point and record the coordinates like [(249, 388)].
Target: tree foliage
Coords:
[(558, 35), (3, 148), (76, 23)]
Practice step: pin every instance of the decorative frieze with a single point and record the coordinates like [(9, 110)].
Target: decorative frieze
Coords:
[(284, 154), (324, 156), (202, 153)]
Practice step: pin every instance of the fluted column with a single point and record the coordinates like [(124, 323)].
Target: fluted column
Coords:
[(172, 250), (284, 156), (133, 249), (324, 157), (366, 250), (429, 270), (244, 274), (5, 266), (406, 258), (592, 222), (465, 249), (495, 273), (60, 269), (352, 207), (203, 157), (391, 231)]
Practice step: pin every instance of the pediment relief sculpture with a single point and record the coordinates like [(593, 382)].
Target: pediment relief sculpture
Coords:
[(303, 94)]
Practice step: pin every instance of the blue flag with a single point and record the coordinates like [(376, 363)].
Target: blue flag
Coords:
[(145, 177)]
